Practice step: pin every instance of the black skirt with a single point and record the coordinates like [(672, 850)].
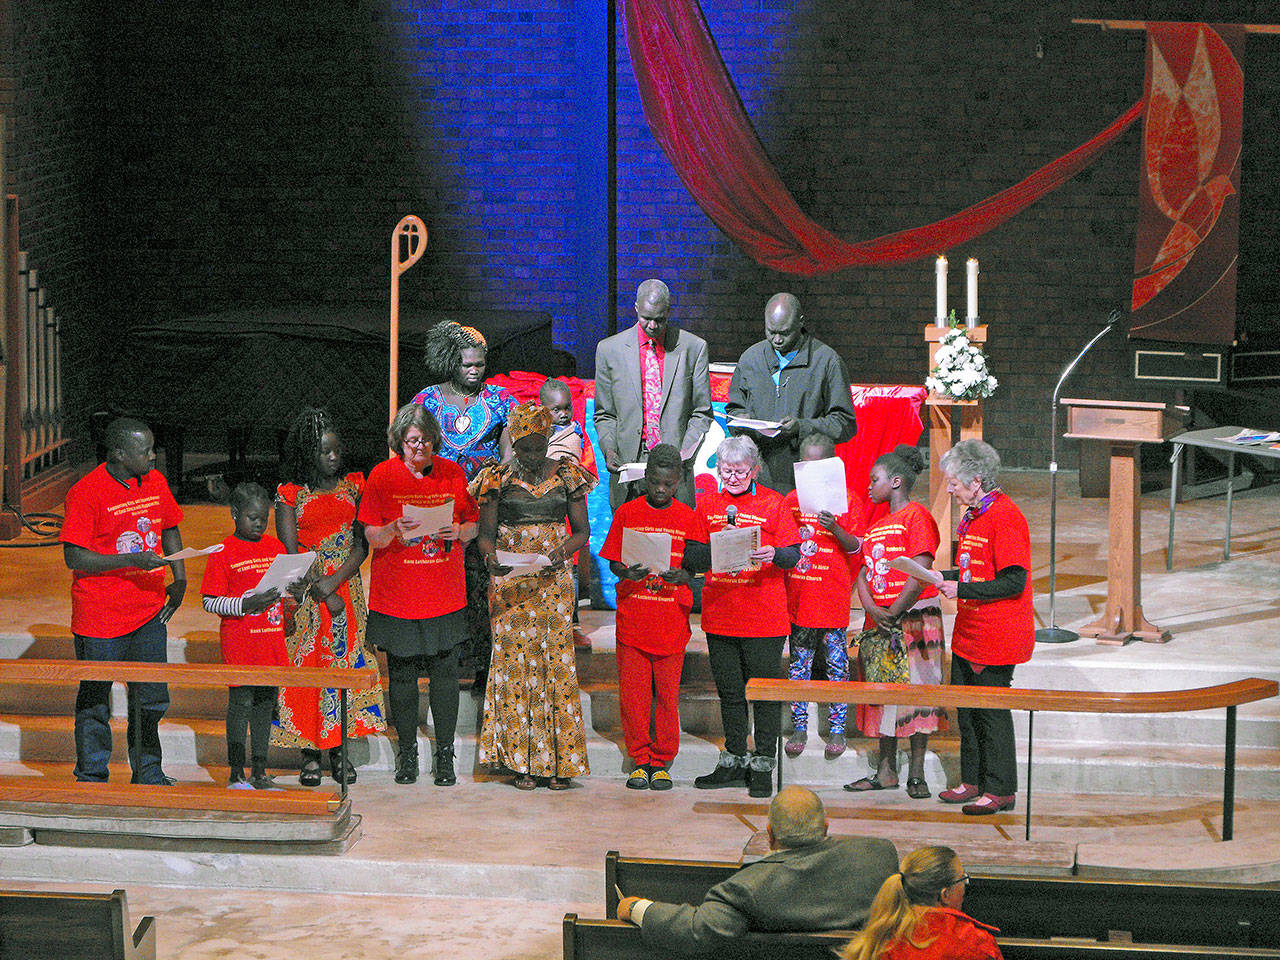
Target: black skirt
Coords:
[(427, 637)]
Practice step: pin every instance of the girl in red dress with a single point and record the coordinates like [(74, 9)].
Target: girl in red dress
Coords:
[(901, 640), (251, 629), (316, 510)]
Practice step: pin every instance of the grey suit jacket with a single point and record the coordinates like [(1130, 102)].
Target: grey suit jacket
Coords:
[(619, 409), (826, 886)]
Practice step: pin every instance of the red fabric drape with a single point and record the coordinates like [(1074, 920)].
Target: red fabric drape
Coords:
[(695, 114)]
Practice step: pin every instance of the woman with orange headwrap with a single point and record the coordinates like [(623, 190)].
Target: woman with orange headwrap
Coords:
[(532, 707)]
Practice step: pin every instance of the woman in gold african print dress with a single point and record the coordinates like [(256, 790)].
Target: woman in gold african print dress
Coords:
[(532, 706)]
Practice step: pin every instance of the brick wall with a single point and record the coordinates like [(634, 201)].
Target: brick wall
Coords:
[(264, 153)]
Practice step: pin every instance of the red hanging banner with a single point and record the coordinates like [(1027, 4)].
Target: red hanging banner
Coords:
[(1184, 286)]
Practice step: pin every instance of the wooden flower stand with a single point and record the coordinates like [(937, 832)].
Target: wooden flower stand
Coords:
[(946, 418)]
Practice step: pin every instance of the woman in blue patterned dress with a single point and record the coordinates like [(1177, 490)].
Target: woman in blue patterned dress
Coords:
[(473, 421)]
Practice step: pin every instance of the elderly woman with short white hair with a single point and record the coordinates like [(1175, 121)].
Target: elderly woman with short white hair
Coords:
[(744, 613), (995, 627)]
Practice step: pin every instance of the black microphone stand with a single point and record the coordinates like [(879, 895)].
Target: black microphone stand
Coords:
[(1054, 633)]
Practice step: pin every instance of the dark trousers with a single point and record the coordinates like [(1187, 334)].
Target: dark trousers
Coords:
[(987, 757), (147, 702), (734, 661), (402, 692), (249, 712)]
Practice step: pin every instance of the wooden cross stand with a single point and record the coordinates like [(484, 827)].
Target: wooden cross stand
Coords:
[(1124, 426)]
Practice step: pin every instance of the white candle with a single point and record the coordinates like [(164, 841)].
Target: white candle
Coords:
[(941, 315), (971, 317)]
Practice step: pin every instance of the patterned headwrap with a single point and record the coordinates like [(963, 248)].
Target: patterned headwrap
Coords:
[(529, 418)]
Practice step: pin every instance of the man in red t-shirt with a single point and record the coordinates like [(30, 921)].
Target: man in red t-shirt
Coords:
[(120, 521)]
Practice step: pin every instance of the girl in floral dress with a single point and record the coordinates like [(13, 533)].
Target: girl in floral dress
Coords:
[(902, 638), (532, 706), (315, 510)]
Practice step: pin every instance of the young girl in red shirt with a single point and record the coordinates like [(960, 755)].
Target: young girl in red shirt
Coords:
[(251, 629), (902, 638), (819, 589)]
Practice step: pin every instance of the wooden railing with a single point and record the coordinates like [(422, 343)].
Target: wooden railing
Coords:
[(1228, 695), (194, 675)]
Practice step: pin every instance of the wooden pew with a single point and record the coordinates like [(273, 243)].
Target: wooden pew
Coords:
[(72, 926), (615, 940), (1027, 907)]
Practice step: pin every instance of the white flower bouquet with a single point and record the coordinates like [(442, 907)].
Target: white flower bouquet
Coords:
[(960, 370)]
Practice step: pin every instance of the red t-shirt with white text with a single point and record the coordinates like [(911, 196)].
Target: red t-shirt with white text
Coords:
[(423, 578), (257, 639), (752, 602), (653, 615), (106, 516), (995, 632), (820, 586), (909, 532)]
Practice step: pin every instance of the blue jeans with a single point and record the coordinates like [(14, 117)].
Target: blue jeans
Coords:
[(147, 704)]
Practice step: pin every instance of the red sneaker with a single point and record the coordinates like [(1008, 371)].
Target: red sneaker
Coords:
[(961, 794), (988, 803)]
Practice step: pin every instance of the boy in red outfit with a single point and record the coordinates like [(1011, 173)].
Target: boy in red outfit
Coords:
[(652, 622)]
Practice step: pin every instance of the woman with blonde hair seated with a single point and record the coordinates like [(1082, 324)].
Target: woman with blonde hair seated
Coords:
[(916, 915)]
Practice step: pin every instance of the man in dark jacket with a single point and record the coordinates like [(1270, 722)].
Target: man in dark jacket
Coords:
[(791, 378), (810, 882)]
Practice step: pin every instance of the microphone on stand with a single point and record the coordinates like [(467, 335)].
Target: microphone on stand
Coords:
[(1054, 633), (731, 515)]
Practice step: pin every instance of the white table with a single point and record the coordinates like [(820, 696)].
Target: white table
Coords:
[(1211, 439)]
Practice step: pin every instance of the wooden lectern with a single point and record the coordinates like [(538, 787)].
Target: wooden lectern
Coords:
[(1124, 426)]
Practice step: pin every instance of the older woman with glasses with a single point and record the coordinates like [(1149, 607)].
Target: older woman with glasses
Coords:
[(744, 612), (417, 587), (916, 915), (995, 626)]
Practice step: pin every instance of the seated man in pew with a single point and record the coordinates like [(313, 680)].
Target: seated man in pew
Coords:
[(810, 882)]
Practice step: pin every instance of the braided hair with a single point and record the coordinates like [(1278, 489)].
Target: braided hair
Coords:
[(442, 350), (302, 443)]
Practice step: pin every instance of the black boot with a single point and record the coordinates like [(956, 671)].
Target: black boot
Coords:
[(760, 777), (445, 776), (407, 762), (730, 771), (342, 773)]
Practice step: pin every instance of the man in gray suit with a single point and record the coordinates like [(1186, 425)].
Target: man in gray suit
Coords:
[(794, 379), (811, 882), (635, 413)]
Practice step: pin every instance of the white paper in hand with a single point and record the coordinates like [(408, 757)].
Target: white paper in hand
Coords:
[(285, 570), (766, 428), (190, 553), (630, 472), (649, 550), (913, 569), (428, 519), (820, 486), (731, 549), (522, 564)]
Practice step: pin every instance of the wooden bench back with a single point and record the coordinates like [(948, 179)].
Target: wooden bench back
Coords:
[(1035, 907), (36, 925), (615, 940)]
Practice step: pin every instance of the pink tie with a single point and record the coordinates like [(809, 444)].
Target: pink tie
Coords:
[(652, 392)]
